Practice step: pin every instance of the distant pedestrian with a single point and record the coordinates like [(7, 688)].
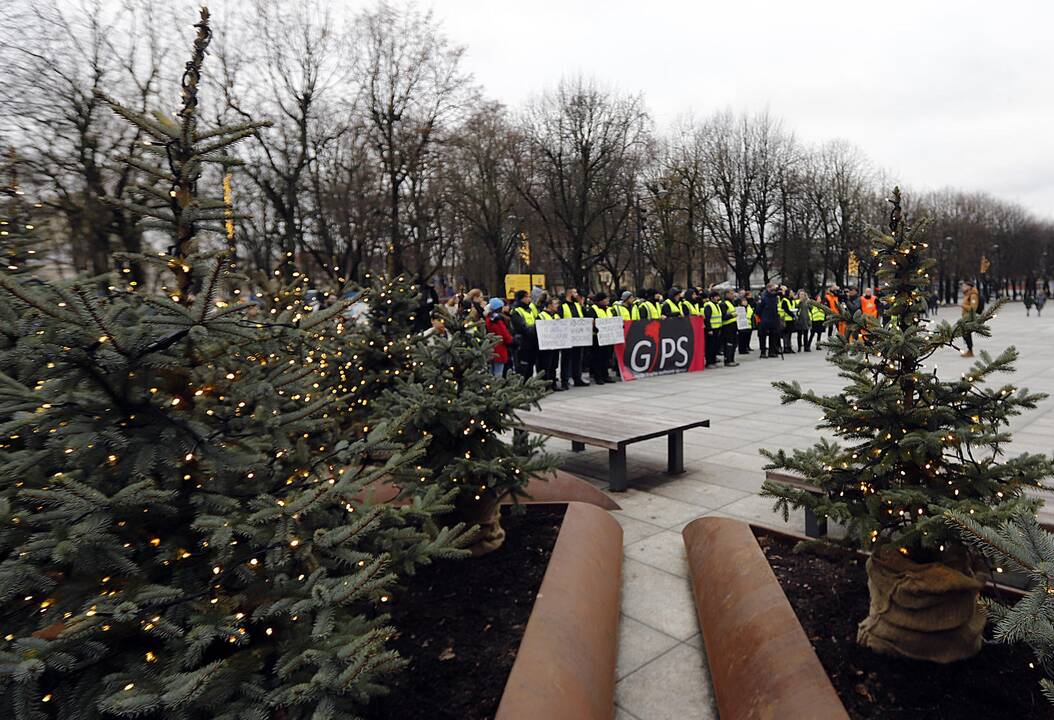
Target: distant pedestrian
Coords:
[(1041, 300), (768, 328), (971, 302), (1028, 305)]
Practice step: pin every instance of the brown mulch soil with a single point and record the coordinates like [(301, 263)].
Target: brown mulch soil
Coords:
[(830, 598), (460, 624)]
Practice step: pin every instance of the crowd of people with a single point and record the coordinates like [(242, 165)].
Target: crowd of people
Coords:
[(785, 322)]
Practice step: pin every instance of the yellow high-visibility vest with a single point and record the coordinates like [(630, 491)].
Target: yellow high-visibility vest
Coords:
[(715, 314), (566, 310), (730, 317), (527, 315)]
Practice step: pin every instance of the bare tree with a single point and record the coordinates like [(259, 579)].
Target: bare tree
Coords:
[(482, 186), (581, 141), (56, 57), (413, 83)]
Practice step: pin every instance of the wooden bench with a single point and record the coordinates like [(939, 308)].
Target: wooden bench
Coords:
[(614, 430), (817, 527)]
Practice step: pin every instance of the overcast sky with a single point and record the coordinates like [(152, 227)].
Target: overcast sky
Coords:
[(936, 92)]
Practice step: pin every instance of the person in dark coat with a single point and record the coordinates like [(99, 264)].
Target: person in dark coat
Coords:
[(525, 336), (769, 327), (600, 355)]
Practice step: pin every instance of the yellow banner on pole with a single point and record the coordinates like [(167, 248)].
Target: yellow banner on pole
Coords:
[(514, 282), (985, 264), (854, 264)]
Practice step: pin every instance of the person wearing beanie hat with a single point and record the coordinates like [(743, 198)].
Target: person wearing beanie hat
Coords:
[(600, 356), (499, 327), (525, 343), (689, 305), (672, 306), (627, 308)]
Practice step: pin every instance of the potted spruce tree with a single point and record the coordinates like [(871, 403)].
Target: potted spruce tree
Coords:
[(1019, 545), (914, 446), (180, 536), (450, 397)]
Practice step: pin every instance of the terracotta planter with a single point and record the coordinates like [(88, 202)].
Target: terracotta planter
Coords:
[(762, 665), (565, 666)]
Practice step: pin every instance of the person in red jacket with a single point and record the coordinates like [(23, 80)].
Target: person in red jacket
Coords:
[(498, 325)]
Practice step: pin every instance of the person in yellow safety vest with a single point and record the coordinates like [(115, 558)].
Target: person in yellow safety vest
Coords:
[(628, 308), (786, 313), (729, 330), (672, 306), (571, 358), (650, 308), (690, 305), (600, 355), (547, 359), (524, 334), (712, 324), (816, 319), (745, 333)]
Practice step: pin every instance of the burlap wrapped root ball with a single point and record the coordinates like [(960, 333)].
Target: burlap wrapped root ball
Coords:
[(484, 511), (924, 611)]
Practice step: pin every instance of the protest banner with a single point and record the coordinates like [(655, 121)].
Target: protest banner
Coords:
[(581, 331), (610, 331), (661, 347), (553, 334), (742, 321)]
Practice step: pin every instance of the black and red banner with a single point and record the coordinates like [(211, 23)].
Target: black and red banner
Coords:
[(661, 347)]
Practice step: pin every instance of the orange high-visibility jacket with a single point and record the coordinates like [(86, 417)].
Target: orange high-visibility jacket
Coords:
[(869, 305)]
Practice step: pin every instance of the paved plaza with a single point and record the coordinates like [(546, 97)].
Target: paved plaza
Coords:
[(662, 666)]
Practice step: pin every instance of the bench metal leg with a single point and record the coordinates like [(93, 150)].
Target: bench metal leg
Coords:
[(577, 446), (814, 527), (617, 469), (675, 458)]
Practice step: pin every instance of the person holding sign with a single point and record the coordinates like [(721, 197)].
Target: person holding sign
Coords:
[(571, 358), (547, 359), (744, 324), (523, 316), (600, 355)]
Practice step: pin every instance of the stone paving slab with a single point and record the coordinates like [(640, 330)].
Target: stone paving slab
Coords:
[(662, 665)]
